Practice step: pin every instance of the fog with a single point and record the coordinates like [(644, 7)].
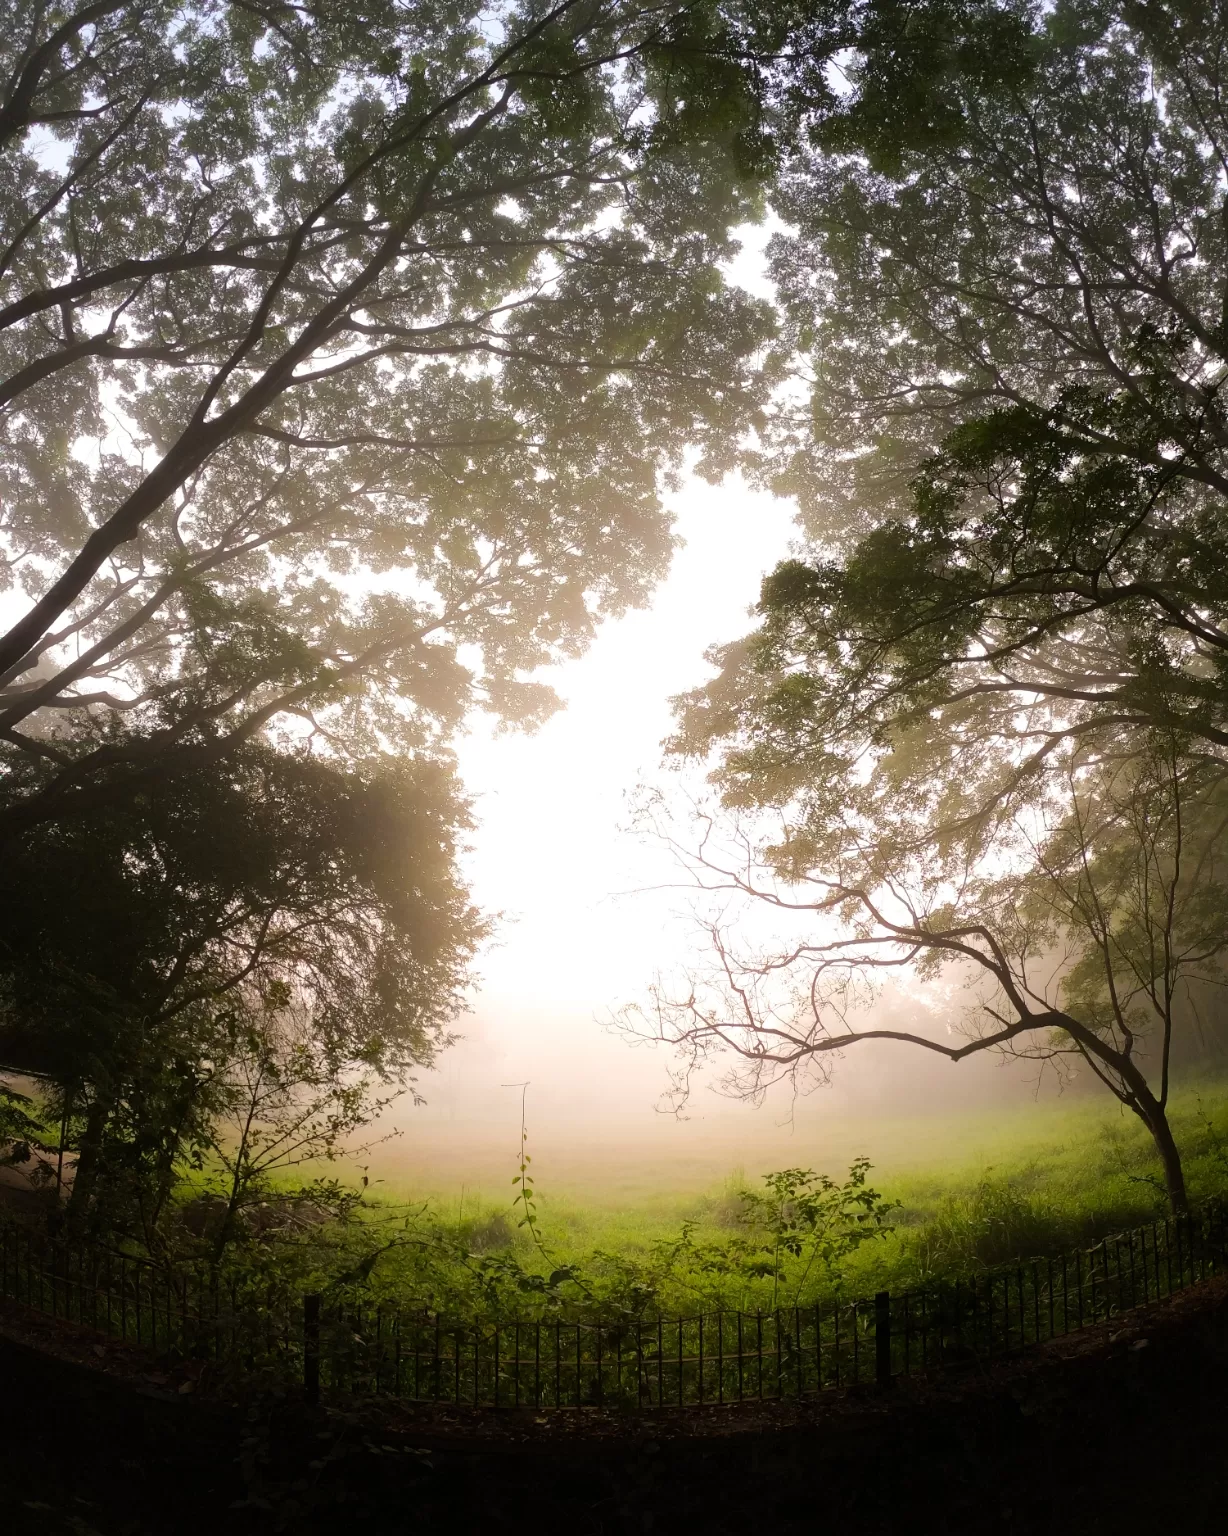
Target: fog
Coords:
[(591, 913)]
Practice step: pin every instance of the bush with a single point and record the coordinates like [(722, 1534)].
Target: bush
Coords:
[(994, 1223)]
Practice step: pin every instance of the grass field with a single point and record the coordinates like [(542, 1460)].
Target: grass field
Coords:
[(973, 1189)]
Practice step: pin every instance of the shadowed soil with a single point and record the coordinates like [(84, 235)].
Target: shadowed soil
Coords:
[(1100, 1433)]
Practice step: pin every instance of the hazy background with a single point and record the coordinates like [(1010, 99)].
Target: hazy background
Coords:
[(587, 923), (587, 920)]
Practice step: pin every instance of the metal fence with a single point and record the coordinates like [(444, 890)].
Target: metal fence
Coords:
[(338, 1346), (186, 1312)]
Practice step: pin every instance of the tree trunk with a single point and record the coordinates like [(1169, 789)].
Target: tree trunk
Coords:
[(89, 1157), (230, 1215), (167, 1157), (1151, 1112), (1133, 1089)]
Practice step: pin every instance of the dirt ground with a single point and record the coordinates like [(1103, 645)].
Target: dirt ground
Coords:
[(1115, 1430)]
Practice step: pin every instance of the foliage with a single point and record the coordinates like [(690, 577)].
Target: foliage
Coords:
[(991, 1224), (344, 358), (982, 708), (806, 1216), (1004, 273), (1010, 208), (1027, 1181), (256, 944), (20, 1127), (794, 1240), (282, 1097)]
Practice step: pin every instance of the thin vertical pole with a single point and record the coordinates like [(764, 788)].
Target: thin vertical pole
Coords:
[(1079, 1284), (989, 1316), (1049, 1286), (925, 1330), (882, 1338), (856, 1345), (836, 1336), (660, 1362), (311, 1348)]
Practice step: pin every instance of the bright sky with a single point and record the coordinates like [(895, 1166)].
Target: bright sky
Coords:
[(583, 930), (587, 923), (589, 919), (552, 851)]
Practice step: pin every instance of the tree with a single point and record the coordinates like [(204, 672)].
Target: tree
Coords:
[(274, 906), (344, 355), (1005, 638), (280, 1103), (19, 1126), (1007, 276), (1077, 925)]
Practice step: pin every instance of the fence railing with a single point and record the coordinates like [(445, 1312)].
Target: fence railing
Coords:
[(186, 1312), (338, 1346)]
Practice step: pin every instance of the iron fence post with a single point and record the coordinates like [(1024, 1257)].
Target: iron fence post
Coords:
[(311, 1348), (882, 1338)]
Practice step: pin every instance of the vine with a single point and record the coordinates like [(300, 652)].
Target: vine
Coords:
[(525, 1196)]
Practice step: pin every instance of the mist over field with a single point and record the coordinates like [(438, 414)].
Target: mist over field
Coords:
[(596, 1126), (591, 912)]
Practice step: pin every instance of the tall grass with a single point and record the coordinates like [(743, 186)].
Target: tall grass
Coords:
[(1030, 1184)]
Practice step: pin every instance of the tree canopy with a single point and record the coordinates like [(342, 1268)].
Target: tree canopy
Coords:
[(984, 709), (345, 356), (1007, 279), (272, 909)]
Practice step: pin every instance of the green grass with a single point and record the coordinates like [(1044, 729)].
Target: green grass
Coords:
[(972, 1191)]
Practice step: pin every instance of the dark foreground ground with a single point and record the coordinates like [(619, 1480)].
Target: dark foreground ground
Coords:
[(1105, 1433)]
